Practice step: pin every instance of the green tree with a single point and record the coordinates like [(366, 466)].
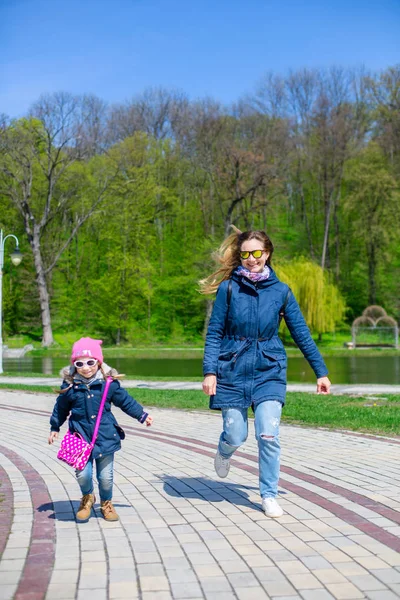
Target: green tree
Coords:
[(320, 300), (372, 203), (39, 175)]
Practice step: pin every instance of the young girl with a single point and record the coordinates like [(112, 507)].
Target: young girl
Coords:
[(81, 393)]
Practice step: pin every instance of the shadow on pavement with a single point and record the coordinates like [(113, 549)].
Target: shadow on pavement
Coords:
[(209, 490), (64, 510)]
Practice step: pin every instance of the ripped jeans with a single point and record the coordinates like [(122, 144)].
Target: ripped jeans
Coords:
[(266, 421)]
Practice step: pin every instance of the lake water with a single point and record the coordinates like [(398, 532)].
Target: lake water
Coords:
[(345, 369)]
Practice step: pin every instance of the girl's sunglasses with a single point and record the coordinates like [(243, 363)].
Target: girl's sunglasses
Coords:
[(255, 253), (90, 362)]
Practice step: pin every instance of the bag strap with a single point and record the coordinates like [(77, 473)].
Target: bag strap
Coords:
[(102, 403), (228, 302)]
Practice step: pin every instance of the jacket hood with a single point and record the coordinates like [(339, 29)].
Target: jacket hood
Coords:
[(67, 373)]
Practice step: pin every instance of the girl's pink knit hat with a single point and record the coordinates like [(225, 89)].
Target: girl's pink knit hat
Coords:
[(87, 347)]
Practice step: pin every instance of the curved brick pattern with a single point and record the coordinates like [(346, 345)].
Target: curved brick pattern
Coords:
[(392, 541), (6, 508), (40, 558), (184, 534), (377, 507)]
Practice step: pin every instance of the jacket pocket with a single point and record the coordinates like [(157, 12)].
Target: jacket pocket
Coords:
[(225, 363), (273, 360), (120, 431)]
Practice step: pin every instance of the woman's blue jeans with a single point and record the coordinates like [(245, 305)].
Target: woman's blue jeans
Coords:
[(266, 420), (104, 474)]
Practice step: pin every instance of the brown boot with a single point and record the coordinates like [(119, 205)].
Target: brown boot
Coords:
[(108, 511), (85, 508)]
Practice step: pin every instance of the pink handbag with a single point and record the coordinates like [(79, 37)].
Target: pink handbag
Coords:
[(74, 450)]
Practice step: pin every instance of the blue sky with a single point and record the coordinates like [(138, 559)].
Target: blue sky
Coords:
[(115, 49)]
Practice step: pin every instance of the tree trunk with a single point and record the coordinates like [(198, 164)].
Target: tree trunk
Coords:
[(328, 206), (148, 315), (306, 223), (337, 244), (44, 298), (371, 274)]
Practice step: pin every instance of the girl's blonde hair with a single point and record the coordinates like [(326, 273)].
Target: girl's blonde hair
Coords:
[(228, 256)]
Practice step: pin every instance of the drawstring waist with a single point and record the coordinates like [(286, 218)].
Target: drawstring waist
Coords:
[(246, 344), (242, 338)]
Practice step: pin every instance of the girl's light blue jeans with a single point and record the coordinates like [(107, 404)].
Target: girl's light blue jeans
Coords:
[(267, 419), (104, 474)]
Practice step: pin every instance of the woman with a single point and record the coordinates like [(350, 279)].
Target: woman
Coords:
[(244, 359)]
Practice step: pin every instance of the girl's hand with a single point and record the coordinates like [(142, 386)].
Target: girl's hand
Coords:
[(210, 385), (149, 421), (53, 436), (323, 385)]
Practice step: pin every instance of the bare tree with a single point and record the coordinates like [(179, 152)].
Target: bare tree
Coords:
[(384, 92), (326, 112), (37, 155), (157, 112), (93, 124)]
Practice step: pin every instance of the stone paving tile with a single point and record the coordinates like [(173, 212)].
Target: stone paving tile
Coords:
[(64, 591), (186, 590), (64, 576), (92, 581), (316, 595), (11, 565), (239, 580), (367, 583), (99, 593), (344, 591), (278, 588), (219, 595), (329, 575), (303, 581), (156, 596), (382, 595), (185, 534), (250, 594), (386, 575)]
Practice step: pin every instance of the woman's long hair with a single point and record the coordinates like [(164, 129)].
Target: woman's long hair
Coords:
[(228, 256)]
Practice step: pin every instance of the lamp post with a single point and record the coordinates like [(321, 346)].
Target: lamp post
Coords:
[(16, 258)]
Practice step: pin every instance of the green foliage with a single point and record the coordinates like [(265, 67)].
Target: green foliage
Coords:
[(321, 178), (372, 204), (380, 415), (320, 300)]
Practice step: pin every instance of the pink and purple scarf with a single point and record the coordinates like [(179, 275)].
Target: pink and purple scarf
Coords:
[(265, 273)]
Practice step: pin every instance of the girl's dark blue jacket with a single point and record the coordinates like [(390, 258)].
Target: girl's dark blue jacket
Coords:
[(243, 348), (82, 403)]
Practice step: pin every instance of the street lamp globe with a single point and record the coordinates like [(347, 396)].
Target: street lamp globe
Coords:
[(16, 257)]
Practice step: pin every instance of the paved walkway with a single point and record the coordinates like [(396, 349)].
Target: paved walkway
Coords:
[(184, 534), (196, 385)]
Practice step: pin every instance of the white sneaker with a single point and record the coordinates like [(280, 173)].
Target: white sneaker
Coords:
[(221, 465), (271, 508)]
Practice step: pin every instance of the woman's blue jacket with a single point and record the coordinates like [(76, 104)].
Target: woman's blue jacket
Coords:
[(82, 403), (243, 348)]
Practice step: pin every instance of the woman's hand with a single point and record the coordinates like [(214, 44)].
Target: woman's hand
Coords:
[(53, 436), (323, 385), (210, 385), (149, 420)]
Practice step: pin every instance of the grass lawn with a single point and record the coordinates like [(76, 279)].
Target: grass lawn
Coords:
[(135, 377), (378, 414), (331, 344)]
